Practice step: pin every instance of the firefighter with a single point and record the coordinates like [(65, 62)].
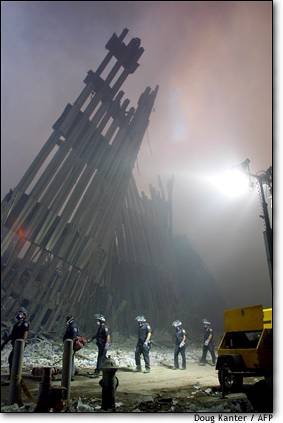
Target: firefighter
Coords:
[(180, 345), (144, 344), (208, 342), (71, 332), (103, 340), (19, 331)]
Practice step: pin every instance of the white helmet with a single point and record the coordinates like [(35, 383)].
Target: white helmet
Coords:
[(21, 313), (205, 322), (176, 323), (23, 310), (140, 319), (100, 317)]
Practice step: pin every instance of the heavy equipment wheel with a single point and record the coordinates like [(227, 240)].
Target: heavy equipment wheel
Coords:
[(230, 381)]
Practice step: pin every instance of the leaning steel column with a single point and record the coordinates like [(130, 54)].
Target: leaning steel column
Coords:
[(15, 395), (67, 368)]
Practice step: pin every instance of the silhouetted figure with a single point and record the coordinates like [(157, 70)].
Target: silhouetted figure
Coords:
[(103, 340), (19, 331), (71, 332), (180, 344), (208, 342), (144, 344)]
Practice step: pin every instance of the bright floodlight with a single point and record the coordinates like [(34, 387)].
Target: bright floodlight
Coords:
[(232, 183)]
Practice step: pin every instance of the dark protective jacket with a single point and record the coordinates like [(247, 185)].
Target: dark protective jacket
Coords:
[(180, 332), (18, 331), (143, 331), (206, 333), (72, 331), (101, 335)]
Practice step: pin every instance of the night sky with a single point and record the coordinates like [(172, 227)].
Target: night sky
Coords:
[(213, 62)]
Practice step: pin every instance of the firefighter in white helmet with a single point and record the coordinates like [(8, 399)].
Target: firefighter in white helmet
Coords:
[(208, 342), (144, 344), (180, 344), (103, 340)]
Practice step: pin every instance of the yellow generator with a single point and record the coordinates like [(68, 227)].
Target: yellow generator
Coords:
[(246, 347)]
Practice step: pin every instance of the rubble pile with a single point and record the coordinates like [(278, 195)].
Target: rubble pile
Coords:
[(15, 408), (194, 398), (45, 352), (200, 402), (211, 403)]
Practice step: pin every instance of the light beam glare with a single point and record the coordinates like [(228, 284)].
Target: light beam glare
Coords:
[(232, 183)]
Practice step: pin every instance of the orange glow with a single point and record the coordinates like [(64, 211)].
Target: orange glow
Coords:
[(21, 233)]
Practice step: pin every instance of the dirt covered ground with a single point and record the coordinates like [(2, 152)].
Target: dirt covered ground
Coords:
[(195, 389)]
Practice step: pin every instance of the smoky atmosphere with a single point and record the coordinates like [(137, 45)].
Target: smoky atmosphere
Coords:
[(160, 206)]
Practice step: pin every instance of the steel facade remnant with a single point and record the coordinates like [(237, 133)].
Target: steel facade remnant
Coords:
[(58, 223)]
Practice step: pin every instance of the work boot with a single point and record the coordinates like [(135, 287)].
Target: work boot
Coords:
[(138, 369), (147, 370), (175, 368)]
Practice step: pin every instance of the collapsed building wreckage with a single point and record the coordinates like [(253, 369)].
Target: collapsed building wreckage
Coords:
[(76, 234)]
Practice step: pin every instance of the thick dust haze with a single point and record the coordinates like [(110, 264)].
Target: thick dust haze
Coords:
[(213, 62)]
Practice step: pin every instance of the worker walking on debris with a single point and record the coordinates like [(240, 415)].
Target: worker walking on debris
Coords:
[(103, 340), (144, 344), (19, 331), (180, 346), (71, 332), (208, 342)]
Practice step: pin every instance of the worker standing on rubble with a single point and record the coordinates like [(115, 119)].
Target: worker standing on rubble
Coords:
[(180, 345), (144, 344), (19, 331), (103, 340), (71, 332), (208, 342)]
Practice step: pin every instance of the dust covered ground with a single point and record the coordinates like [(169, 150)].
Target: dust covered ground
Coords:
[(195, 389)]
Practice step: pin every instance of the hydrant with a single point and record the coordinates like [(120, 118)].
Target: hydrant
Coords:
[(109, 384)]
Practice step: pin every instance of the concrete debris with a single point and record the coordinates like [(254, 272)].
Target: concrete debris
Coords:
[(84, 408), (159, 404), (118, 404), (196, 398), (14, 408), (43, 352), (164, 400)]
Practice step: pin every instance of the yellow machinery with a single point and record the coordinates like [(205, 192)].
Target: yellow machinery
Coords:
[(246, 347)]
